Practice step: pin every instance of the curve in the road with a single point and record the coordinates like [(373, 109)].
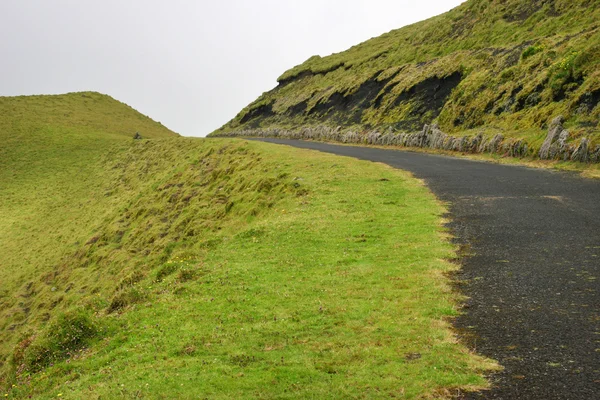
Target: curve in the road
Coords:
[(533, 273)]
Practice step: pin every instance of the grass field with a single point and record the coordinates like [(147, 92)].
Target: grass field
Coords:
[(186, 268)]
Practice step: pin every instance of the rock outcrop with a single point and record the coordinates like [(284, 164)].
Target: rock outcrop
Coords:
[(556, 128), (595, 155), (555, 147), (581, 152)]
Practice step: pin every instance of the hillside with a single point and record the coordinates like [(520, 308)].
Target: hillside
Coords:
[(52, 150), (500, 67), (173, 267)]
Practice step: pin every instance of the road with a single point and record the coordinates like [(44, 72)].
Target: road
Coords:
[(533, 270)]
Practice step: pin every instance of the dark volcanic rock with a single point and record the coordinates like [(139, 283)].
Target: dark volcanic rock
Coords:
[(428, 97), (262, 111)]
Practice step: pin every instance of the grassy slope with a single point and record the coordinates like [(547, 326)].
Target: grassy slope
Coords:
[(51, 152), (519, 63), (49, 145), (172, 267)]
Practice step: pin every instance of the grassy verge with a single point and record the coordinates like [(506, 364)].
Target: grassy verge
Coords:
[(586, 170), (229, 269)]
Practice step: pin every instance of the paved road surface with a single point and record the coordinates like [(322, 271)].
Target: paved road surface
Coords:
[(533, 276)]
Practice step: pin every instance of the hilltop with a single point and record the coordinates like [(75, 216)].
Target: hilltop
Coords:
[(500, 67), (90, 113), (60, 135)]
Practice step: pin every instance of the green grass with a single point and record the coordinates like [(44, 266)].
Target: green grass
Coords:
[(52, 160), (521, 63), (178, 268)]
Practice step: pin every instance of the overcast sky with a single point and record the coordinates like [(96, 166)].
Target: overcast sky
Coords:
[(190, 64)]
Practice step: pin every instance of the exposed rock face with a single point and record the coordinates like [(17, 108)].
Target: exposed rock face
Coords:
[(581, 151), (491, 146), (595, 155), (560, 149), (556, 128), (555, 146), (518, 148), (460, 144), (436, 137), (475, 143)]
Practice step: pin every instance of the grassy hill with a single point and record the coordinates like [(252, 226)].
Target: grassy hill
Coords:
[(52, 140), (177, 267), (495, 66), (51, 151)]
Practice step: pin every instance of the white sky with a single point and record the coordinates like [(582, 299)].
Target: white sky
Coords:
[(193, 65)]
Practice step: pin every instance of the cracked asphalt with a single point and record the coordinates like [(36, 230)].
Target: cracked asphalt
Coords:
[(531, 269)]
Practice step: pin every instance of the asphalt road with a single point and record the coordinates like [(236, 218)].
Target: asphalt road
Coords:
[(533, 273)]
